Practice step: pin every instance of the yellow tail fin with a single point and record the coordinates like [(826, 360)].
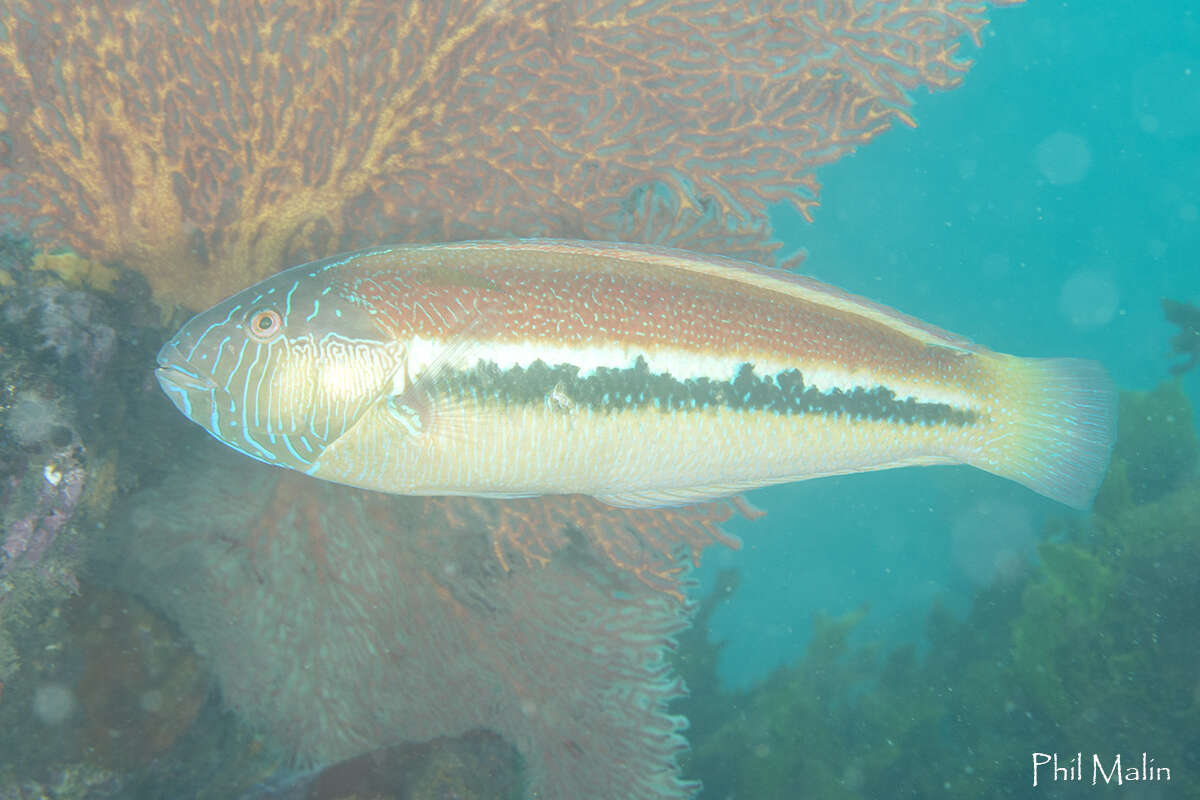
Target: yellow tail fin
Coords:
[(1058, 429)]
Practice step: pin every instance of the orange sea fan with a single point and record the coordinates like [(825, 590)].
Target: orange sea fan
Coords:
[(209, 143), (647, 543)]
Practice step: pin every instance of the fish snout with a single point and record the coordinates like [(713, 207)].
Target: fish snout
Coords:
[(174, 367), (187, 388)]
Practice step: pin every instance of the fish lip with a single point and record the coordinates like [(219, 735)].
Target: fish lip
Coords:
[(182, 378), (171, 371)]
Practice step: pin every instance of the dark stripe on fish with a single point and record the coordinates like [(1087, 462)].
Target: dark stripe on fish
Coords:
[(616, 389)]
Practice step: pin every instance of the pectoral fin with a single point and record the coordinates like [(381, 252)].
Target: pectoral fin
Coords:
[(424, 406)]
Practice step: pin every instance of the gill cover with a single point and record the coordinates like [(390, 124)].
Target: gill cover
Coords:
[(281, 369)]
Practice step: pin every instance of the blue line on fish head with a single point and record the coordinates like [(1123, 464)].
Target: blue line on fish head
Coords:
[(280, 370)]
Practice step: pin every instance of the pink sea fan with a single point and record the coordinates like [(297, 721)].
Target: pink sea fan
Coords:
[(343, 621)]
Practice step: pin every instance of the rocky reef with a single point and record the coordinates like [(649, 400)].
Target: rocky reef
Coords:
[(93, 684)]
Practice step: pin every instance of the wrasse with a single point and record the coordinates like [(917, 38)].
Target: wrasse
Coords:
[(641, 376)]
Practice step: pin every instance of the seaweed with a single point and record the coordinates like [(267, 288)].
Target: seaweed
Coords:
[(1186, 342)]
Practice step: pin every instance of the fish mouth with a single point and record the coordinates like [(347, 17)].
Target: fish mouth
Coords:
[(172, 370), (171, 377), (190, 391)]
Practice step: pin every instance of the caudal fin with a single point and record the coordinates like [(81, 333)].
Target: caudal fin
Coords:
[(1060, 425)]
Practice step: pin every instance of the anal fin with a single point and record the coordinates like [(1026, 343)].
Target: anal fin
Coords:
[(658, 498)]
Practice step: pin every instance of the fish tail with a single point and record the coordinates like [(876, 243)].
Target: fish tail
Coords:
[(1057, 430)]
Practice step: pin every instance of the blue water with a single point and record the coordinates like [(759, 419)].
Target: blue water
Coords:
[(1044, 208)]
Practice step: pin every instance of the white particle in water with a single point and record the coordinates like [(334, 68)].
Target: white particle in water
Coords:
[(53, 704)]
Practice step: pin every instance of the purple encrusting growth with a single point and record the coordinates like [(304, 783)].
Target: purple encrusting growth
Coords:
[(59, 348), (28, 533), (343, 621)]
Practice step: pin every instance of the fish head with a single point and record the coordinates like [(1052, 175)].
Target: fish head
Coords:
[(281, 370)]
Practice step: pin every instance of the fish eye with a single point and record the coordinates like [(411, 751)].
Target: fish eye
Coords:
[(264, 325)]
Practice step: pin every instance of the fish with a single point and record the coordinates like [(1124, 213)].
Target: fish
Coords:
[(640, 375)]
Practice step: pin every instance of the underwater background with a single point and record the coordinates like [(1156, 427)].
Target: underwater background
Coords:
[(908, 633), (1044, 209)]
